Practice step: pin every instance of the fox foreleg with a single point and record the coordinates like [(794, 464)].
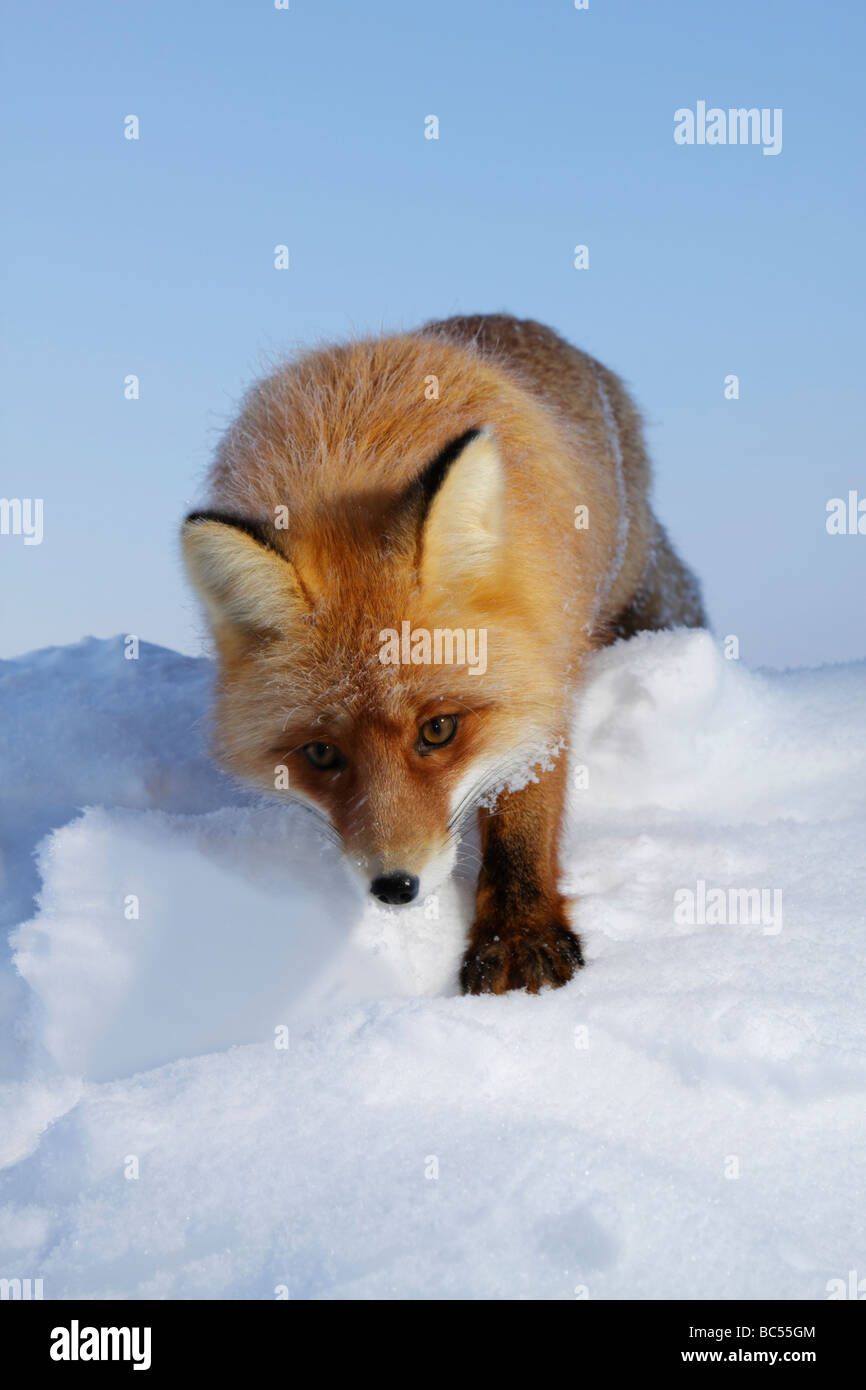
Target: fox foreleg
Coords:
[(520, 937)]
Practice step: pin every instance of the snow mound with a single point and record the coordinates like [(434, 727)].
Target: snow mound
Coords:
[(234, 1078)]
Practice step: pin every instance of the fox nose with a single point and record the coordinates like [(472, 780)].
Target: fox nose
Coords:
[(396, 889)]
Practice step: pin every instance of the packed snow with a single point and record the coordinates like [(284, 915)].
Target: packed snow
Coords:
[(225, 1074)]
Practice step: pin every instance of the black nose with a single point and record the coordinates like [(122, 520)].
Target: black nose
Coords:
[(396, 889)]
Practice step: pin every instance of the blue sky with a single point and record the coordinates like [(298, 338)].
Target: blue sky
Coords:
[(306, 127)]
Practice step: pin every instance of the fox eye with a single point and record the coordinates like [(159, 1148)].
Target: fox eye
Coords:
[(321, 755), (438, 731)]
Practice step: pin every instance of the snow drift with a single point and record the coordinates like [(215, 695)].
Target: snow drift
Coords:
[(225, 1075)]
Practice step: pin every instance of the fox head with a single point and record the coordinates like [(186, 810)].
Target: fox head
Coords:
[(379, 662)]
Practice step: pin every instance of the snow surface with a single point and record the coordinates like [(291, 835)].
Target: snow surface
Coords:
[(685, 1119)]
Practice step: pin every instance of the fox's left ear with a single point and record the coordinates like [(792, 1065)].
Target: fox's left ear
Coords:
[(246, 584), (462, 538)]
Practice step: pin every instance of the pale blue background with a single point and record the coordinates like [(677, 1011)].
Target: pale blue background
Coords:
[(306, 127)]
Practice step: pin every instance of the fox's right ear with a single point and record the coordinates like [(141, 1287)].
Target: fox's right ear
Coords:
[(245, 583)]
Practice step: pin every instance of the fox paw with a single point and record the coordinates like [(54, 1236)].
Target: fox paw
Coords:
[(526, 960)]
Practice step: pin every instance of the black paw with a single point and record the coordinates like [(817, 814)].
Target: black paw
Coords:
[(525, 959)]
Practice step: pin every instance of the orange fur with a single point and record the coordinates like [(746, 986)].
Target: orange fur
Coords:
[(342, 441)]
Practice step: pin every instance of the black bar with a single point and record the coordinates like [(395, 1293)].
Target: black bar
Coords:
[(218, 1338)]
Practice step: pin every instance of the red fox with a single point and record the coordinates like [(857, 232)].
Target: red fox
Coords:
[(413, 543)]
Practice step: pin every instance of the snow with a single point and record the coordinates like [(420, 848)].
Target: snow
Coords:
[(685, 1119)]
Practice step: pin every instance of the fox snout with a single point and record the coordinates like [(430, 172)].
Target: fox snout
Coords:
[(395, 889), (420, 871)]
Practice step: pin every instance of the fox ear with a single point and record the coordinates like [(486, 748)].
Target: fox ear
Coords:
[(462, 539), (243, 581)]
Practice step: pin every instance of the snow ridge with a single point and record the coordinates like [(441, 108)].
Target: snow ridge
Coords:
[(227, 1074)]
